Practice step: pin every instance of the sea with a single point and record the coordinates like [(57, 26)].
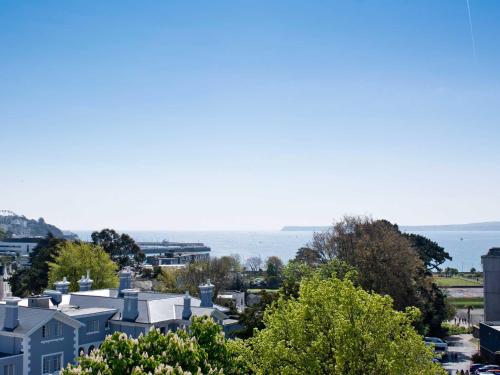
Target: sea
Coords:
[(465, 247)]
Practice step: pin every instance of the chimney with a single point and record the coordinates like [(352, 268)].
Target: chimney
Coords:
[(39, 301), (85, 283), (125, 281), (186, 311), (206, 291), (62, 286), (11, 313), (54, 295), (130, 304)]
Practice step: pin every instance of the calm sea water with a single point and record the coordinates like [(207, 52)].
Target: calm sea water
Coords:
[(465, 247)]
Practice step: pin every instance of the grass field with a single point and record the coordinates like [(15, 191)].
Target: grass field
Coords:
[(455, 281), (460, 303)]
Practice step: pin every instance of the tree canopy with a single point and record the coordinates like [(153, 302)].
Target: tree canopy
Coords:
[(33, 280), (202, 350), (74, 259), (388, 262), (334, 327), (2, 234), (121, 247)]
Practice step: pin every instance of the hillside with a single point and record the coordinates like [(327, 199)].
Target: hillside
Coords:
[(20, 226)]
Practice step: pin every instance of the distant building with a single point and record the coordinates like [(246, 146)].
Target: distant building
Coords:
[(167, 253), (21, 247), (489, 330), (237, 297), (41, 335), (491, 274)]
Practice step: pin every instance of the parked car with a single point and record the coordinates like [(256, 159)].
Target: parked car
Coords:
[(440, 346), (486, 368), (475, 366)]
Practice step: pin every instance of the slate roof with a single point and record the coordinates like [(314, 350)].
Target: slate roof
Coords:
[(29, 317), (152, 307)]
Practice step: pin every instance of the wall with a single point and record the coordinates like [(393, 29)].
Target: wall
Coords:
[(489, 339), (130, 330), (40, 346), (86, 338), (16, 360), (10, 345)]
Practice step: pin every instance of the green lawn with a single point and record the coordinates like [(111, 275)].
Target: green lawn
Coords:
[(460, 303), (455, 281)]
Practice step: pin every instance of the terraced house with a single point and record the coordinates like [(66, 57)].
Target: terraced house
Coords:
[(42, 334)]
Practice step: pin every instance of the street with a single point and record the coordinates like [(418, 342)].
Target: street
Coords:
[(464, 348)]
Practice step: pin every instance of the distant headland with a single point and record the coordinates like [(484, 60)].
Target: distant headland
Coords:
[(483, 226)]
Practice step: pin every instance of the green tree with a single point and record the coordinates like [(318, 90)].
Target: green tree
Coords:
[(429, 251), (74, 259), (389, 263), (33, 280), (252, 317), (121, 247), (334, 327), (203, 350), (3, 235), (274, 267)]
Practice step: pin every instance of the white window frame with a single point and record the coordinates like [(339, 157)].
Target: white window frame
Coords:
[(61, 364), (91, 327)]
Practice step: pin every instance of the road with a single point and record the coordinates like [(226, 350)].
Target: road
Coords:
[(464, 348)]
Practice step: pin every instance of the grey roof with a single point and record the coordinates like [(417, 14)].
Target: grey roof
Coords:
[(153, 307), (88, 311), (29, 317)]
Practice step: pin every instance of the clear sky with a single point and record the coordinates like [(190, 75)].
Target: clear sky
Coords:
[(249, 114)]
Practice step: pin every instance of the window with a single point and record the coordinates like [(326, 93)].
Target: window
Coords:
[(9, 369), (52, 363), (59, 329), (46, 331), (107, 325), (92, 326)]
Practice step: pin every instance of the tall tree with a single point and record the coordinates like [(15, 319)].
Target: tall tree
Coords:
[(274, 267), (388, 262), (254, 263), (3, 235), (336, 328), (74, 259), (121, 247), (33, 280), (429, 251)]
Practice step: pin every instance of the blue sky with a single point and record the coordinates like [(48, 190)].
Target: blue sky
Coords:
[(249, 114)]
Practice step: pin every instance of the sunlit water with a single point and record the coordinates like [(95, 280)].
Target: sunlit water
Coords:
[(466, 247)]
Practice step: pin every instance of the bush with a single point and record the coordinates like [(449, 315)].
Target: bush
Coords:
[(451, 329)]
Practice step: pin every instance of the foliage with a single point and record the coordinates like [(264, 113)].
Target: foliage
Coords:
[(254, 264), (121, 247), (429, 251), (274, 267), (389, 262), (334, 327), (74, 259), (452, 329), (3, 235), (224, 272), (308, 256), (449, 271), (203, 350), (463, 302), (253, 316), (295, 271), (33, 280)]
